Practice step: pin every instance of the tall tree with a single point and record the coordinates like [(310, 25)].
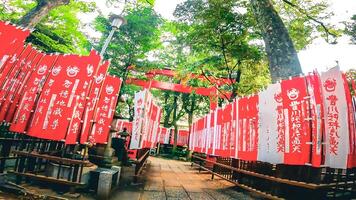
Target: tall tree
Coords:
[(219, 39), (282, 55), (36, 14)]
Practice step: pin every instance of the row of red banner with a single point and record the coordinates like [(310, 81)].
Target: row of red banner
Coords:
[(165, 135), (53, 96), (146, 129), (302, 121), (145, 125)]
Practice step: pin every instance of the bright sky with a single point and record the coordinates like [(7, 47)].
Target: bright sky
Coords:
[(318, 55)]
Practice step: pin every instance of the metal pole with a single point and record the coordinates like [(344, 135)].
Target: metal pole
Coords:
[(107, 41)]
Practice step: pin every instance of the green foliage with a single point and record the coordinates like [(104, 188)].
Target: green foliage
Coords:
[(133, 41), (351, 29), (305, 21), (57, 32), (220, 42), (351, 75)]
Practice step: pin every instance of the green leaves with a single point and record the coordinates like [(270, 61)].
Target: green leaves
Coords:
[(57, 32)]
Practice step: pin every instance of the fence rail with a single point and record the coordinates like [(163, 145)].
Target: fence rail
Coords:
[(263, 179)]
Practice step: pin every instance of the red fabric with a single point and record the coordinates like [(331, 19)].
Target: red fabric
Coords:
[(233, 133), (15, 68), (297, 149), (17, 91), (8, 65), (92, 101), (183, 136), (198, 140), (163, 135), (316, 112), (218, 146), (105, 110), (210, 145), (31, 94), (351, 162), (226, 130), (58, 97), (120, 125), (248, 124), (86, 81), (12, 41)]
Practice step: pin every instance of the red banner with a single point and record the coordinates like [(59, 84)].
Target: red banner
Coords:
[(57, 101), (105, 110), (12, 41), (351, 162), (226, 130), (92, 101), (15, 85), (297, 138), (248, 128), (316, 113), (218, 146), (183, 136), (14, 67), (84, 86), (31, 94), (22, 85), (164, 135), (234, 128), (119, 125)]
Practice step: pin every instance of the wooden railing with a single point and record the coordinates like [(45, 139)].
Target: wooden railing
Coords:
[(249, 176), (142, 156)]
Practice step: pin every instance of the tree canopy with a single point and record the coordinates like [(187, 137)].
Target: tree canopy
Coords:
[(248, 42)]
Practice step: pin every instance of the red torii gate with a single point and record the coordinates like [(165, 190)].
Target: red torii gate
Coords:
[(211, 92)]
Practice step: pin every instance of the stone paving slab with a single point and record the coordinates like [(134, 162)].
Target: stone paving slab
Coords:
[(151, 195), (170, 179)]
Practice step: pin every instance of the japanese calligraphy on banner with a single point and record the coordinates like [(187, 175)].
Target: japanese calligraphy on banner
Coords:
[(12, 40), (67, 80), (93, 96), (105, 110), (13, 85), (297, 138), (136, 138), (6, 85), (234, 130), (31, 93), (336, 123), (316, 111), (84, 87), (226, 130), (218, 132), (146, 121), (210, 133), (17, 91), (248, 125), (164, 135), (271, 125)]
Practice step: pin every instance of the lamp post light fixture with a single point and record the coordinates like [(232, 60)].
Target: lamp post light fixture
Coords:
[(116, 22)]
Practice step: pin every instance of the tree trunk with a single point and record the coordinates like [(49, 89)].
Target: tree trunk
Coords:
[(34, 16), (190, 122), (175, 107), (282, 56)]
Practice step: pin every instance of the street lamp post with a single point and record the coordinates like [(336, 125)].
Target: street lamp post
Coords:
[(117, 21), (107, 151)]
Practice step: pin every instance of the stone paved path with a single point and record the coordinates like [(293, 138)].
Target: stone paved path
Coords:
[(170, 179)]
